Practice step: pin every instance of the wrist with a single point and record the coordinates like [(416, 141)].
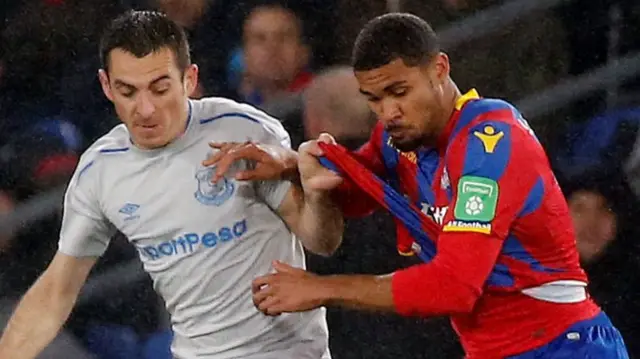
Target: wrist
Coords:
[(317, 197), (329, 290), (290, 164)]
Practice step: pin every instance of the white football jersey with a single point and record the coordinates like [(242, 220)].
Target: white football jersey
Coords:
[(201, 243)]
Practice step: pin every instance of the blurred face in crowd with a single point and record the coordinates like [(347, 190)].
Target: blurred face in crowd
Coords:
[(184, 12), (413, 102), (594, 222), (149, 94), (326, 109), (273, 49)]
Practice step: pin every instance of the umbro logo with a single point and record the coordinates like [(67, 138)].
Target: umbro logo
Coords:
[(129, 210)]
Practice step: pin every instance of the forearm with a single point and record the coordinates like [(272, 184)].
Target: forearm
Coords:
[(321, 224), (359, 292), (406, 293), (35, 322), (440, 287)]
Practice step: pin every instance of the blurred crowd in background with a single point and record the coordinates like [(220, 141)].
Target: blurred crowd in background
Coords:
[(291, 59)]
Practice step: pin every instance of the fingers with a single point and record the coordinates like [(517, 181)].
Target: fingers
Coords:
[(263, 281), (281, 267), (269, 306), (326, 138), (222, 148), (262, 294), (312, 148), (228, 154)]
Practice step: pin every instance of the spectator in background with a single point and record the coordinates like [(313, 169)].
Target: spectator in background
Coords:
[(334, 104), (33, 161), (605, 218), (49, 60), (186, 13), (275, 55)]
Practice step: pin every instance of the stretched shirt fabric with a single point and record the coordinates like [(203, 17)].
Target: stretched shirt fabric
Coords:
[(501, 259), (201, 243)]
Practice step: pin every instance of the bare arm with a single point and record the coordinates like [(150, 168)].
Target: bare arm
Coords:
[(45, 307), (315, 220)]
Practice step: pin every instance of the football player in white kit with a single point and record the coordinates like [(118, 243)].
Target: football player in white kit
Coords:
[(201, 239)]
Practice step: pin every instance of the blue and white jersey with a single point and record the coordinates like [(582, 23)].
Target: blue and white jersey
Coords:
[(201, 243)]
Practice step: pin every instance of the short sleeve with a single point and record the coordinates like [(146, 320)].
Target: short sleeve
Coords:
[(85, 231), (271, 132)]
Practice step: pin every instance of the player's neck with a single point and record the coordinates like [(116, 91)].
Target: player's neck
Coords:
[(451, 96), (185, 117)]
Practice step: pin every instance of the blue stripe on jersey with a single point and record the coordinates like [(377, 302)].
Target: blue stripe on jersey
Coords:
[(500, 276), (390, 157), (229, 114), (534, 199), (487, 162), (427, 164), (514, 249), (400, 207), (84, 169), (474, 109), (114, 150)]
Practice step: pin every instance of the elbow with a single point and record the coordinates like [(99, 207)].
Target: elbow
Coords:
[(463, 301), (420, 293), (458, 300), (327, 248)]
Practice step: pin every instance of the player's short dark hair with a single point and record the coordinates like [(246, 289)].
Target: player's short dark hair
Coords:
[(142, 33), (394, 36)]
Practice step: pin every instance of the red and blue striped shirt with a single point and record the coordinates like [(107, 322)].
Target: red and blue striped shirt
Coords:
[(484, 212)]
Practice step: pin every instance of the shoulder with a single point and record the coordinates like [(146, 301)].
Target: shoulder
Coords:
[(488, 133), (489, 122), (114, 144), (217, 113)]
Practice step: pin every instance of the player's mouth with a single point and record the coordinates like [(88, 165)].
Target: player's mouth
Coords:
[(395, 132), (147, 128)]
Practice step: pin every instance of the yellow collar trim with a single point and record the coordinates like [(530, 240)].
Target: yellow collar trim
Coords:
[(470, 95)]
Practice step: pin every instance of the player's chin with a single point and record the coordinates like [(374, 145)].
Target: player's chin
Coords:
[(406, 144), (150, 141)]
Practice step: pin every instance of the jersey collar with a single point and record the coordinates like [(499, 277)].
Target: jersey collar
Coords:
[(443, 139)]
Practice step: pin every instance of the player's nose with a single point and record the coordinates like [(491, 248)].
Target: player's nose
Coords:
[(388, 111), (145, 106)]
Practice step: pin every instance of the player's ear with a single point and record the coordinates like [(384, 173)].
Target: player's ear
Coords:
[(190, 79), (442, 67), (104, 82)]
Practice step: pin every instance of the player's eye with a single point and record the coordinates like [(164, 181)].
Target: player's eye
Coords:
[(127, 94), (160, 89), (399, 92)]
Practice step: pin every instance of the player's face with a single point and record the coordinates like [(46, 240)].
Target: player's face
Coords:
[(409, 100), (149, 95)]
